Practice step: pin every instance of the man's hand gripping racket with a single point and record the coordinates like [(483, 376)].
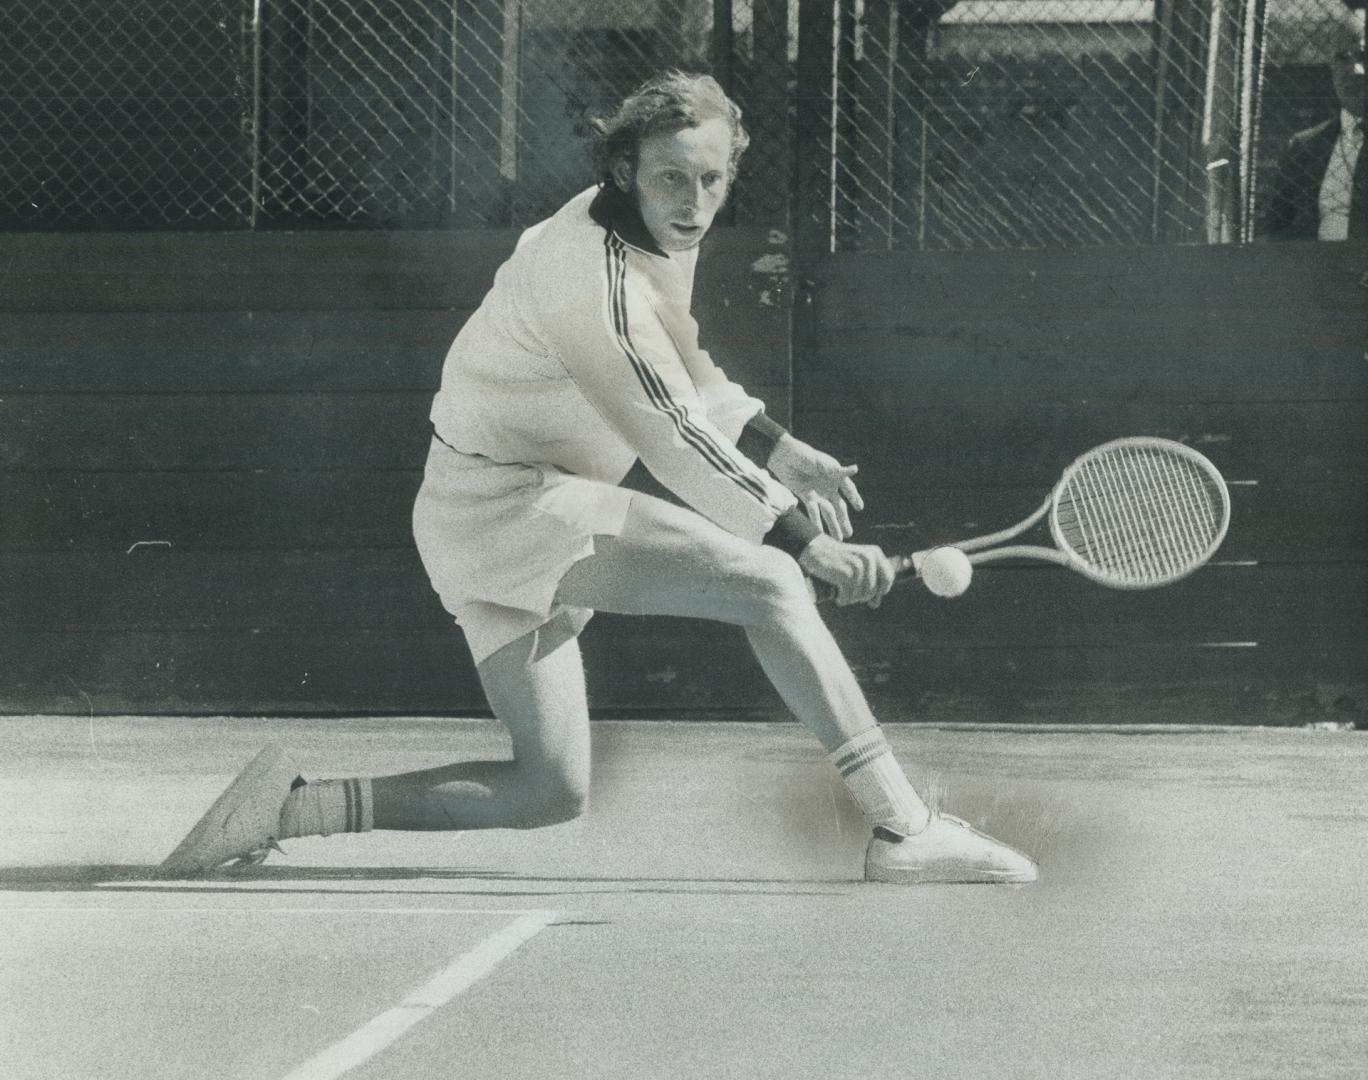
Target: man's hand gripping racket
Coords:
[(1134, 513)]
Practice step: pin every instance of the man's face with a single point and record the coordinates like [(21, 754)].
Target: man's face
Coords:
[(680, 182)]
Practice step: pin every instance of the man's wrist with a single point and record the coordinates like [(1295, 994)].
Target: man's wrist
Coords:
[(787, 443), (793, 532), (759, 438)]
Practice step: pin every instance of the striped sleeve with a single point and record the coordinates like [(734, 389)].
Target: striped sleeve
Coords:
[(634, 375)]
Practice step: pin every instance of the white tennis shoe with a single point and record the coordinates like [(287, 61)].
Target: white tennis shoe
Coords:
[(243, 823), (948, 850)]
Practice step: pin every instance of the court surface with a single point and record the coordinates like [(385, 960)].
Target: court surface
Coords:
[(1202, 913)]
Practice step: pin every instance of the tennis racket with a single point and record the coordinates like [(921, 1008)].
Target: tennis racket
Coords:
[(1134, 513)]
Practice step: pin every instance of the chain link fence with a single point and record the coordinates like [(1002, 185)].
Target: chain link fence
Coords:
[(1038, 123), (381, 113), (920, 124), (122, 114), (468, 113)]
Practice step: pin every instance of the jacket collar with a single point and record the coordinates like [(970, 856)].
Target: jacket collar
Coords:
[(613, 209)]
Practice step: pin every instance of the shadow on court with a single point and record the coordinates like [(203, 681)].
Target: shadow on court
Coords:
[(402, 881)]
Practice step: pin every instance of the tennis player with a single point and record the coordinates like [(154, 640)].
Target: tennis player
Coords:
[(582, 359)]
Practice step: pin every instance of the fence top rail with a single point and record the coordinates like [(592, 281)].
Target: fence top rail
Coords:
[(981, 12)]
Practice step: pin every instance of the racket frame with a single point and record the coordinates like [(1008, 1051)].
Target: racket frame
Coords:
[(1062, 554)]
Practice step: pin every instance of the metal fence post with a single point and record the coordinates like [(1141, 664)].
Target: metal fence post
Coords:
[(478, 115), (813, 153), (255, 212), (723, 46)]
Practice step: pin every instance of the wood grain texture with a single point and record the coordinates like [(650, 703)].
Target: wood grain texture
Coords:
[(210, 444), (334, 509), (962, 385), (1175, 325), (289, 433), (161, 588), (250, 351), (975, 443), (671, 668), (307, 271)]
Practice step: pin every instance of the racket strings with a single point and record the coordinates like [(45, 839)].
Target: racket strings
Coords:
[(1141, 514)]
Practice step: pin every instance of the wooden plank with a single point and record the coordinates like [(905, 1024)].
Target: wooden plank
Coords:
[(1171, 324), (165, 589), (215, 431), (200, 287), (961, 362), (156, 588), (291, 271), (65, 510), (224, 351), (237, 351), (357, 250), (750, 326), (1254, 685), (674, 668), (1172, 682), (1037, 606), (970, 442), (250, 271), (111, 511), (1176, 685), (226, 431), (322, 510), (205, 673), (1150, 287)]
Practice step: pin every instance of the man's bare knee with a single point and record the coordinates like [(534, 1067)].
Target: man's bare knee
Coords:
[(552, 794)]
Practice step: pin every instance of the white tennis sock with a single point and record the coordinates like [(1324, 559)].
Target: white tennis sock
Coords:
[(324, 807), (873, 775)]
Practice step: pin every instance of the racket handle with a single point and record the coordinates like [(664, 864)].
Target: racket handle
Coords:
[(823, 592), (903, 563)]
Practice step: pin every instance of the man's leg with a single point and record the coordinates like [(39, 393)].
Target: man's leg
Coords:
[(542, 703), (670, 561), (666, 561)]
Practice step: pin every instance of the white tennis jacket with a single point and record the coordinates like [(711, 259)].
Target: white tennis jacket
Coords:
[(584, 356)]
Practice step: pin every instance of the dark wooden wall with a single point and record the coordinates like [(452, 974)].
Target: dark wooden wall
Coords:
[(964, 383), (209, 446)]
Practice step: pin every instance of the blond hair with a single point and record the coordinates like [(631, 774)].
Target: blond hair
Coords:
[(668, 103)]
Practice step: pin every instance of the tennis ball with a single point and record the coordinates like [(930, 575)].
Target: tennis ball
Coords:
[(946, 571)]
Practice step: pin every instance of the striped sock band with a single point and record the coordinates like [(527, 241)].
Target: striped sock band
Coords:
[(324, 807), (879, 785)]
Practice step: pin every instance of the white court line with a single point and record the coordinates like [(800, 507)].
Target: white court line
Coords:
[(372, 1037), (218, 912), (462, 973), (245, 886)]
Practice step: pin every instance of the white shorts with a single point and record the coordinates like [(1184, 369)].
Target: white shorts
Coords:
[(496, 540)]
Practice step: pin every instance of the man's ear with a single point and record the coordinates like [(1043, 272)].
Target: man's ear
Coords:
[(622, 174)]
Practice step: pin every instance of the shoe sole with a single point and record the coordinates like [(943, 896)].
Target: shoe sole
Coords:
[(931, 877), (271, 767)]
